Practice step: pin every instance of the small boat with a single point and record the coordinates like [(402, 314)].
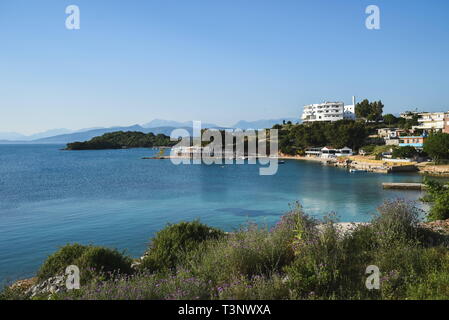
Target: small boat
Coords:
[(356, 170), (281, 161)]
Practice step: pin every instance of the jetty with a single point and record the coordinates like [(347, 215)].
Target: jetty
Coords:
[(404, 186)]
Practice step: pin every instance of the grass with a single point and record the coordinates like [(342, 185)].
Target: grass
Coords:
[(295, 259)]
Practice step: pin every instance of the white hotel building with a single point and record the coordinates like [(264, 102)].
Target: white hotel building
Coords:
[(328, 111), (431, 121)]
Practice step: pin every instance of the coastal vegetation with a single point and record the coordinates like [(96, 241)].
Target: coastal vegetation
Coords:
[(298, 258), (437, 146), (390, 121), (437, 196), (121, 139), (406, 152), (371, 111), (295, 138), (92, 261)]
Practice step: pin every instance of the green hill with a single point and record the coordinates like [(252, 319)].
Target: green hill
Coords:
[(121, 139)]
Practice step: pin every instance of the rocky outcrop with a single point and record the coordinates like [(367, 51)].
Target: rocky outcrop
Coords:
[(441, 170), (439, 226), (51, 285)]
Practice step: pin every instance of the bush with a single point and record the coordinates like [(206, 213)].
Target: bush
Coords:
[(100, 261), (245, 253), (405, 152), (12, 294), (249, 252), (438, 195), (440, 208), (437, 146), (171, 245), (255, 288), (60, 260), (92, 261), (330, 265), (397, 222), (368, 149)]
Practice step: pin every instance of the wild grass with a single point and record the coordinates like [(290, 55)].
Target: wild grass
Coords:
[(299, 258)]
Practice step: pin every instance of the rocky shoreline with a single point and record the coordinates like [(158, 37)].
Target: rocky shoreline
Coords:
[(362, 163)]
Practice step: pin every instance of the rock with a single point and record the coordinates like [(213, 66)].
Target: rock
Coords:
[(24, 285), (51, 285)]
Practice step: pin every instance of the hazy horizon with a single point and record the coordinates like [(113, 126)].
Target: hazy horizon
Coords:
[(218, 62)]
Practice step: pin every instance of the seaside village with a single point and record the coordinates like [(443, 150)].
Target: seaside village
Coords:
[(388, 138), (428, 122)]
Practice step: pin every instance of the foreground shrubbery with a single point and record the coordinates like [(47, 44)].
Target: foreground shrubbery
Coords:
[(438, 196), (170, 246), (92, 261), (299, 258)]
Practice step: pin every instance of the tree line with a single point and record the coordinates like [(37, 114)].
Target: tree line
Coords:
[(295, 138)]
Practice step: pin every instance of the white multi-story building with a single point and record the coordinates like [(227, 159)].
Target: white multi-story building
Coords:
[(328, 111), (431, 121)]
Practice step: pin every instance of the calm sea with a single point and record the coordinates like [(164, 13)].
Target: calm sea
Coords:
[(50, 197)]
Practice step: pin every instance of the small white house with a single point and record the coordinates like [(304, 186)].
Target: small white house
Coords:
[(313, 152), (329, 152)]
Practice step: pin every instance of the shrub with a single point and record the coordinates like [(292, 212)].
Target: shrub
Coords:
[(92, 261), (397, 222), (329, 265), (255, 288), (404, 152), (171, 245), (246, 253), (440, 208), (12, 294), (438, 195), (100, 261), (60, 260), (437, 146), (368, 149), (434, 287), (252, 251)]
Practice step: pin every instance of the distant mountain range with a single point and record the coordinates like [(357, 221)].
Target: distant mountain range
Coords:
[(157, 126), (156, 123), (242, 124), (261, 124)]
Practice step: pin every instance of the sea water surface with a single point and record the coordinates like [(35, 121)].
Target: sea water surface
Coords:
[(50, 197)]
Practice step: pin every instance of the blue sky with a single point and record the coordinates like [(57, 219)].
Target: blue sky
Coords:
[(214, 60)]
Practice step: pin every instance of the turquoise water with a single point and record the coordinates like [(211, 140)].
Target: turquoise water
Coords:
[(50, 197)]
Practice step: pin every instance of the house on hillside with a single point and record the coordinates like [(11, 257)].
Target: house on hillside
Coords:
[(413, 141)]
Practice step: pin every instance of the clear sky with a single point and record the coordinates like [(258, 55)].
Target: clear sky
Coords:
[(214, 60)]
